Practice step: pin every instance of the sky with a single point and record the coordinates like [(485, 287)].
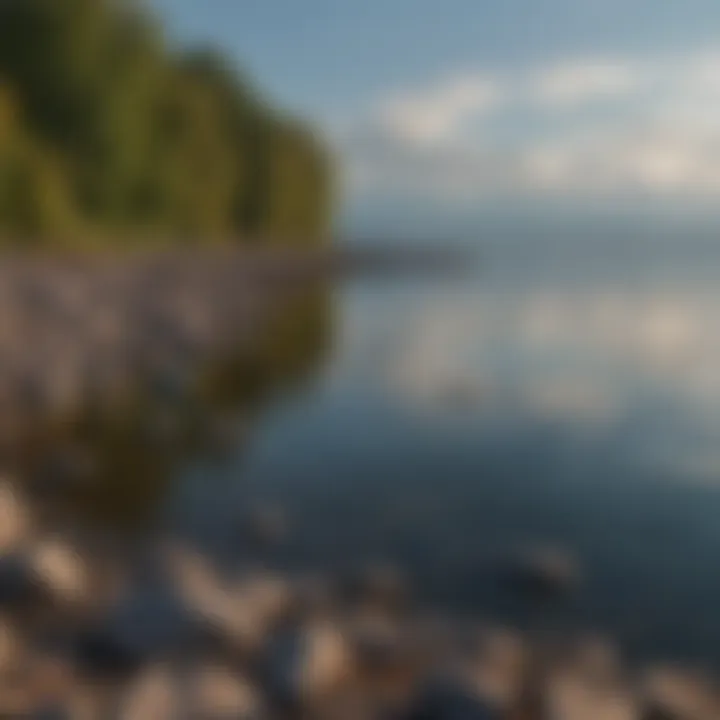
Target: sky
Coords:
[(454, 108)]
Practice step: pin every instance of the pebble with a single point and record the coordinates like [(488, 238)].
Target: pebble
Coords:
[(571, 697), (146, 626), (245, 611), (19, 585), (542, 573), (678, 695), (380, 586), (60, 569), (300, 647), (15, 524), (265, 525), (222, 694), (305, 664), (154, 695), (449, 701)]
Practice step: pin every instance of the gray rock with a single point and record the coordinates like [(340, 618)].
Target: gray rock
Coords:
[(15, 521), (149, 625), (678, 694), (447, 701), (223, 694), (383, 587), (20, 587), (264, 525), (541, 573), (303, 664)]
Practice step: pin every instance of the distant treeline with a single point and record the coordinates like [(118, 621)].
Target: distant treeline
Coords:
[(106, 132)]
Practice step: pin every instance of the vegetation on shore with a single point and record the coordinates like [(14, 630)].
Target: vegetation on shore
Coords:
[(108, 133)]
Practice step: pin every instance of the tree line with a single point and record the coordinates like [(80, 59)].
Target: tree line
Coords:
[(108, 132)]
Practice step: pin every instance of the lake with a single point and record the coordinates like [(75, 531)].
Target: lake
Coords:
[(564, 392)]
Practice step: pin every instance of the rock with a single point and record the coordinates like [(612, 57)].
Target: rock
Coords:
[(497, 666), (154, 695), (379, 586), (61, 570), (220, 694), (305, 664), (542, 574), (20, 588), (244, 612), (265, 525), (597, 660), (678, 695), (12, 648), (571, 697), (379, 645), (49, 681), (15, 524), (655, 713), (314, 596), (147, 626), (449, 701), (54, 712), (66, 469)]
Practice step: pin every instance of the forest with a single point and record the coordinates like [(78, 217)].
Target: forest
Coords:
[(110, 135)]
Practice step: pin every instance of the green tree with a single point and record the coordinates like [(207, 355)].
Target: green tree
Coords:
[(120, 135)]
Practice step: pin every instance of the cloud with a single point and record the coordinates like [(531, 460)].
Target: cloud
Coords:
[(578, 82), (439, 112), (619, 127)]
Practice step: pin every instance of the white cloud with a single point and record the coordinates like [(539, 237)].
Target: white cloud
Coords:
[(577, 82), (438, 112), (649, 127)]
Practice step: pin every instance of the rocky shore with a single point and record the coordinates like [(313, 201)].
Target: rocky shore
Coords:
[(96, 626), (75, 330), (164, 632)]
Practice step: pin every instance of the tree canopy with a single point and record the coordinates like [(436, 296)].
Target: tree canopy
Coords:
[(106, 131)]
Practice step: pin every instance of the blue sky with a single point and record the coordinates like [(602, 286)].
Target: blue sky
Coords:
[(461, 103)]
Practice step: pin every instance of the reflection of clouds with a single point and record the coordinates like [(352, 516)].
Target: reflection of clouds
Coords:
[(591, 356), (664, 339)]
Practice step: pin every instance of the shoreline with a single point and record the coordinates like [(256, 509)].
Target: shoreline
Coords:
[(165, 633)]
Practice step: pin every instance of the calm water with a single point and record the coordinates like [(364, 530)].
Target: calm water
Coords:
[(567, 393)]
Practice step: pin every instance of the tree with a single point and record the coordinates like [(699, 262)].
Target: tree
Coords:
[(126, 136)]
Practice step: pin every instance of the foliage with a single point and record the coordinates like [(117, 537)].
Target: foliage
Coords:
[(106, 131)]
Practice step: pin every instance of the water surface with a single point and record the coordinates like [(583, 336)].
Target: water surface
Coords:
[(566, 393)]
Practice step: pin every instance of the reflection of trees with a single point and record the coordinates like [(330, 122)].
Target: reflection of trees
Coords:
[(114, 465)]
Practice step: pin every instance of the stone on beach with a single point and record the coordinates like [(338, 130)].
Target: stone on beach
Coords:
[(380, 586), (154, 695), (15, 524), (148, 625), (20, 589), (571, 697), (446, 700), (678, 695), (245, 611), (12, 648), (105, 320), (306, 663), (542, 573), (60, 569), (496, 668), (264, 525), (65, 469), (222, 694)]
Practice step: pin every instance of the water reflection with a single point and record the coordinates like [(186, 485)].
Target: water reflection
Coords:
[(455, 421), (113, 466), (458, 421)]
